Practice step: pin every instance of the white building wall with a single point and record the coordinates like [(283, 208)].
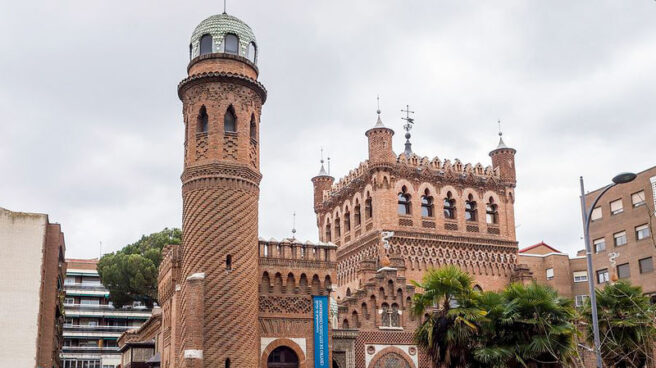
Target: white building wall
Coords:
[(22, 236)]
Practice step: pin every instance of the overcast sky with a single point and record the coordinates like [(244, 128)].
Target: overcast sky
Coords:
[(91, 126)]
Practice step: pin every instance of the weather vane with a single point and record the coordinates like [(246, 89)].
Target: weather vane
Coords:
[(408, 126)]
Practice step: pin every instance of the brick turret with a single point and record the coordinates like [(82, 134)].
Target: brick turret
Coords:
[(222, 101), (503, 158), (380, 144)]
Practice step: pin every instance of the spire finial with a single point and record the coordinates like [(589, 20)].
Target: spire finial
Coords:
[(408, 126), (500, 132), (322, 171), (501, 142), (294, 225), (379, 122), (328, 165), (224, 6), (378, 101)]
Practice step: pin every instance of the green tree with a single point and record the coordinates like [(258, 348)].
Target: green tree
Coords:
[(626, 325), (449, 328), (130, 274)]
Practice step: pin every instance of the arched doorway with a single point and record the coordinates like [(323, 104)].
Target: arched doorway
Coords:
[(282, 357)]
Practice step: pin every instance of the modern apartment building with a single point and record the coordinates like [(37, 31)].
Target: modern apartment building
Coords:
[(31, 289), (622, 230), (92, 324)]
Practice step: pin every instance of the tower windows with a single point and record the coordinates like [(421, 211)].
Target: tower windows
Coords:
[(368, 209), (191, 51), (252, 52), (356, 214), (206, 44), (231, 44), (228, 262), (253, 130), (227, 363), (338, 230), (230, 120), (449, 206), (328, 232), (491, 213), (404, 202), (203, 120), (426, 205), (470, 209)]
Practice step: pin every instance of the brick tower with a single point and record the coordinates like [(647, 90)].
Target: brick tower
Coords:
[(222, 101)]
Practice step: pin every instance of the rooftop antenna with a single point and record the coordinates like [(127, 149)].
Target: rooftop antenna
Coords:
[(408, 126), (294, 225)]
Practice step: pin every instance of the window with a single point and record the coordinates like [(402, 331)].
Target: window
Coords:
[(620, 238), (638, 199), (491, 213), (580, 276), (230, 120), (227, 363), (599, 245), (596, 214), (616, 207), (203, 120), (69, 300), (253, 131), (642, 231), (395, 320), (426, 205), (265, 250), (89, 301), (69, 280), (580, 300), (91, 281), (338, 230), (228, 262), (347, 221), (356, 214), (385, 318), (252, 52), (470, 209), (206, 44), (368, 208), (404, 202), (550, 273), (623, 271), (231, 44), (328, 233), (302, 252), (602, 276), (449, 206), (646, 265)]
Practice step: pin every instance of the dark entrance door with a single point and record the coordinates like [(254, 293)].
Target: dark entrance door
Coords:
[(282, 357)]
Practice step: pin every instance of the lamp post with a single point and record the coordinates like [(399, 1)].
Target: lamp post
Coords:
[(586, 213)]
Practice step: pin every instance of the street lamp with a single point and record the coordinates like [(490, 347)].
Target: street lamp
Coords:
[(587, 212)]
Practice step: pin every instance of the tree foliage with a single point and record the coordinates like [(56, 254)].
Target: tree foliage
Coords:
[(626, 325), (130, 274), (523, 325)]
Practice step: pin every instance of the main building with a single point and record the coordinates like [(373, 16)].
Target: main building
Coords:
[(232, 299)]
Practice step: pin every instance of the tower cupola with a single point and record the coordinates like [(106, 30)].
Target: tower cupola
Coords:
[(223, 33), (503, 157)]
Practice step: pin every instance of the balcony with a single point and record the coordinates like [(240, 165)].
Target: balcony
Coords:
[(70, 306), (79, 285), (68, 326), (89, 349)]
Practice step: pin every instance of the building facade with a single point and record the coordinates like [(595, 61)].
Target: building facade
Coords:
[(92, 325), (32, 255), (622, 232), (231, 299)]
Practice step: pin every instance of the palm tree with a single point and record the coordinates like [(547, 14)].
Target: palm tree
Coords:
[(538, 324), (448, 332), (626, 325)]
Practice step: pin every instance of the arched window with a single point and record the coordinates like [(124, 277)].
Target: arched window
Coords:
[(395, 320), (368, 208), (385, 317), (426, 204), (348, 291), (302, 251), (282, 357), (231, 44), (253, 130), (230, 120), (203, 120), (252, 52), (228, 262), (355, 320), (338, 230), (470, 209), (478, 288), (227, 363), (356, 214), (265, 250), (345, 324), (328, 232), (365, 311), (449, 206), (491, 213), (404, 202), (206, 44), (191, 50), (347, 221)]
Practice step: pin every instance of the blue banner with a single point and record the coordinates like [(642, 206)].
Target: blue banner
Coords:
[(320, 314)]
